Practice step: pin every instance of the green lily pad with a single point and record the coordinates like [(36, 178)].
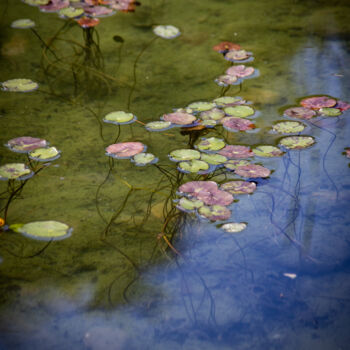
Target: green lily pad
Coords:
[(189, 204), (239, 111), (212, 114), (267, 151), (15, 171), (23, 23), (44, 154), (209, 123), (193, 166), (36, 2), (142, 159), (232, 164), (288, 127), (228, 100), (215, 212), (214, 159), (201, 106), (70, 12), (210, 144), (330, 112), (184, 154), (297, 142), (158, 125), (45, 230), (119, 117), (166, 31), (234, 227), (19, 85)]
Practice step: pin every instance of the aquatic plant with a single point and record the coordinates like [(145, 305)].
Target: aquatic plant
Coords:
[(234, 227), (15, 171), (23, 23), (19, 85), (25, 144), (125, 150), (166, 31)]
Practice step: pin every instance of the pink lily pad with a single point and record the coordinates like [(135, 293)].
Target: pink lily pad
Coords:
[(97, 11), (343, 106), (300, 112), (237, 55), (237, 124), (192, 188), (125, 149), (240, 71), (347, 152), (239, 187), (215, 212), (25, 144), (252, 170), (54, 5), (215, 197), (236, 152), (179, 118), (318, 102), (225, 80)]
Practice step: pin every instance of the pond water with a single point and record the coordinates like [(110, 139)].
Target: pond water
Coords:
[(136, 272)]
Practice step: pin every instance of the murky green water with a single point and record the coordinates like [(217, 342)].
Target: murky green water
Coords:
[(115, 283)]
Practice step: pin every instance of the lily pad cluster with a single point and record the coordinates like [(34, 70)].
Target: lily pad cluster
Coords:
[(85, 12)]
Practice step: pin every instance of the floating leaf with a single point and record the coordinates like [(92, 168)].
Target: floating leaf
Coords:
[(166, 31), (54, 5), (214, 159), (119, 117), (225, 80), (193, 188), (232, 164), (44, 154), (70, 12), (184, 154), (237, 55), (209, 123), (88, 22), (234, 227), (267, 151), (25, 144), (297, 142), (239, 111), (212, 114), (158, 125), (36, 2), (347, 152), (202, 106), (225, 46), (19, 85), (45, 230), (288, 127), (142, 159), (215, 197), (215, 212), (238, 187), (318, 102), (236, 152), (226, 101), (125, 150), (330, 112), (210, 144), (237, 124), (24, 23), (300, 113), (189, 204), (99, 11), (240, 71), (193, 166), (343, 106), (252, 170), (15, 171), (179, 118)]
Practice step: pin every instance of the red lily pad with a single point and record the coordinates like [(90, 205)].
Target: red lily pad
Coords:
[(300, 113), (252, 170), (237, 124), (179, 118), (236, 152), (226, 46), (239, 187), (318, 102), (25, 144), (125, 149), (343, 106), (192, 188), (87, 22), (240, 71), (215, 212)]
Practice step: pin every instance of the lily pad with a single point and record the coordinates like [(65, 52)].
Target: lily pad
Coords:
[(240, 71), (193, 166), (184, 154), (297, 142), (225, 46), (318, 102), (158, 125), (215, 197), (45, 230), (232, 164), (330, 112), (189, 204), (343, 106), (234, 227), (70, 12), (45, 154), (36, 2), (25, 144), (193, 188), (239, 111), (142, 159), (119, 117), (54, 5), (288, 127), (300, 113), (125, 150), (239, 187), (19, 85), (347, 152), (23, 23), (237, 55), (215, 212), (214, 159), (99, 11), (88, 22), (237, 124), (15, 171), (179, 118), (253, 171), (210, 144), (212, 114), (267, 151), (209, 123), (236, 152), (226, 101), (166, 31), (201, 106), (226, 79)]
